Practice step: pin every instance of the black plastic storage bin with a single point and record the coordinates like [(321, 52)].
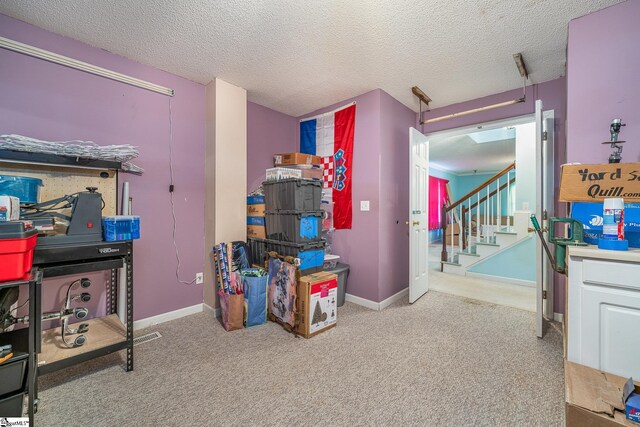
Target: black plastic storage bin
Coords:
[(292, 194), (11, 407), (311, 254), (13, 373), (294, 226), (258, 249)]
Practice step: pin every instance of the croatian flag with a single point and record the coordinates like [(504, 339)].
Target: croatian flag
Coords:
[(330, 136)]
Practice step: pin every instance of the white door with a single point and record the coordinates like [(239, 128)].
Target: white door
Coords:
[(418, 215), (548, 204), (544, 210)]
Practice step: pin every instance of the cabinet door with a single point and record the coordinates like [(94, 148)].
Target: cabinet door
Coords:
[(611, 330)]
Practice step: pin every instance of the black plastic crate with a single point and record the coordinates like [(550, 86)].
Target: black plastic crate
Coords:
[(292, 194), (311, 254), (294, 226), (13, 373), (11, 406)]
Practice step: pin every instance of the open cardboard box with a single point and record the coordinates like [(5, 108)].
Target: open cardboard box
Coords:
[(594, 398)]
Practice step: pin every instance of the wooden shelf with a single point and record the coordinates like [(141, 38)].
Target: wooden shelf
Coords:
[(103, 332)]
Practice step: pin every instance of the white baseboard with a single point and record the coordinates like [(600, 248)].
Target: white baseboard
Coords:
[(165, 317), (362, 301), (510, 281), (215, 312), (558, 317), (393, 298), (377, 306)]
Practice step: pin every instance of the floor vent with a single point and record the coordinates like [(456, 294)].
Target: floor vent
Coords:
[(146, 338)]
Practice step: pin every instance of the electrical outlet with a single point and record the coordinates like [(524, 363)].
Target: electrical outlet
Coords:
[(364, 205), (199, 278)]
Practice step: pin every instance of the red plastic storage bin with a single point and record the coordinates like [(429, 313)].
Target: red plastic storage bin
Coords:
[(16, 258)]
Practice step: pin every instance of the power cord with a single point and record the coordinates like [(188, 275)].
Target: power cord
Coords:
[(173, 209)]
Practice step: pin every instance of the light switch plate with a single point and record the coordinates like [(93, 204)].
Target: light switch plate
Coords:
[(364, 205)]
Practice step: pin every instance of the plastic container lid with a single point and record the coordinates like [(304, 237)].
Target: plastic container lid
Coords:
[(26, 179), (613, 245), (17, 230)]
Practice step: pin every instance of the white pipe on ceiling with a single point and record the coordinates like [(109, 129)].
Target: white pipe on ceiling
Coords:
[(55, 58)]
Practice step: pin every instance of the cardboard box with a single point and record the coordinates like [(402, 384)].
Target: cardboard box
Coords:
[(257, 231), (594, 398), (256, 210), (296, 159), (256, 220), (274, 174), (456, 239), (632, 409), (9, 208), (590, 215), (317, 303), (594, 183), (309, 171)]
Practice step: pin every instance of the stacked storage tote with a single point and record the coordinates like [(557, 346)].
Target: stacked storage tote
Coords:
[(293, 222)]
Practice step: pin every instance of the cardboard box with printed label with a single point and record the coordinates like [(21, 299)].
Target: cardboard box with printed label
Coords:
[(255, 205), (317, 303), (296, 159), (257, 231), (594, 183), (595, 398)]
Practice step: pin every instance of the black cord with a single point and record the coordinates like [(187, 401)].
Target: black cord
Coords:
[(19, 307)]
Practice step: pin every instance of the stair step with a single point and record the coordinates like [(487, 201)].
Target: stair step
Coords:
[(513, 233), (451, 263), (486, 244), (468, 254)]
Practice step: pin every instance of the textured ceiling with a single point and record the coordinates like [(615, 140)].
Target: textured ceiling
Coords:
[(296, 56), (462, 154)]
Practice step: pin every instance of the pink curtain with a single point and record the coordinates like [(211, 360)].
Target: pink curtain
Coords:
[(437, 199)]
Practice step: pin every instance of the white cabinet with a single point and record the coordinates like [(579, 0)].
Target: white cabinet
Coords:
[(604, 310)]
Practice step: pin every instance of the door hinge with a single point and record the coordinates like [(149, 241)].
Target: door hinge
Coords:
[(545, 135), (544, 294), (545, 215)]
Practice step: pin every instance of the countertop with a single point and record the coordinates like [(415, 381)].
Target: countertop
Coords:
[(592, 251)]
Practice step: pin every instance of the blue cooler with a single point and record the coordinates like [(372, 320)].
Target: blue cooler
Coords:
[(24, 188)]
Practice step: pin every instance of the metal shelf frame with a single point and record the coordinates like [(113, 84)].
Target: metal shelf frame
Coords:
[(23, 157), (34, 283)]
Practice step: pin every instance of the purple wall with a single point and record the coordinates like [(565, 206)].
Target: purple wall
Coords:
[(48, 101), (268, 132), (358, 247), (553, 96), (603, 68), (393, 260)]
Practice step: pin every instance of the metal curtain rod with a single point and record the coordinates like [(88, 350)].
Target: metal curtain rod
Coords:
[(524, 73), (475, 110), (35, 52)]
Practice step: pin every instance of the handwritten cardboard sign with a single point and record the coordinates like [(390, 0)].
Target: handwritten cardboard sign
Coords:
[(594, 183)]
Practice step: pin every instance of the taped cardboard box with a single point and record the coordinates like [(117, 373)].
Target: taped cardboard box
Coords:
[(594, 398), (256, 210), (296, 159), (594, 183), (317, 303), (256, 231)]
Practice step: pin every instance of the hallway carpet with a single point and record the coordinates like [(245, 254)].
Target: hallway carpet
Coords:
[(445, 361)]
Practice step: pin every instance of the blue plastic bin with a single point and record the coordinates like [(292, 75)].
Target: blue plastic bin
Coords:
[(24, 188), (120, 227)]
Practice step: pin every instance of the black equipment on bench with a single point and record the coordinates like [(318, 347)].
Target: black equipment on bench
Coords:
[(83, 225)]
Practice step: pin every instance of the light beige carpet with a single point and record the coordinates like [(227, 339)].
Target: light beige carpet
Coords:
[(445, 361)]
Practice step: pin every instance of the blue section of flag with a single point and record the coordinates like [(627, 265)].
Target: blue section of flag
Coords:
[(308, 137)]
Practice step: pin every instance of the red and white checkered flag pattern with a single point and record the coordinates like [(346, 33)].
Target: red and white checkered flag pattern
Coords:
[(327, 172)]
